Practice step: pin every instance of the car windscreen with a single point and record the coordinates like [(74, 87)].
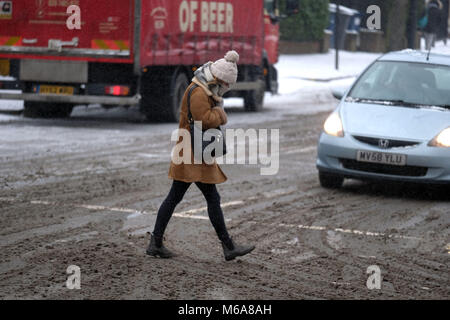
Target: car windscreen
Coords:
[(404, 82)]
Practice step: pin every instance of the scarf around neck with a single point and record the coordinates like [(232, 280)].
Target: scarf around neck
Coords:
[(201, 78)]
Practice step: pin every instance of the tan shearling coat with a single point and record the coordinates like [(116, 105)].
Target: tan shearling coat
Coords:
[(203, 108)]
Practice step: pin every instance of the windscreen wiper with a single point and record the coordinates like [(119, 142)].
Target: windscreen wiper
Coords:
[(402, 103), (417, 105)]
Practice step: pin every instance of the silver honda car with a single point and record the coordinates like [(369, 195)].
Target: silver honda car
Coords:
[(392, 124)]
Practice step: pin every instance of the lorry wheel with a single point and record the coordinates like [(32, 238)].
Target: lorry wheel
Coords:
[(181, 84), (46, 110), (330, 181), (149, 105), (273, 80), (164, 106), (152, 105), (254, 100)]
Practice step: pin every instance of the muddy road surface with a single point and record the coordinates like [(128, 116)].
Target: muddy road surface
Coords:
[(85, 191)]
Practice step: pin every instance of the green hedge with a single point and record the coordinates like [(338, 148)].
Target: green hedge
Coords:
[(309, 24)]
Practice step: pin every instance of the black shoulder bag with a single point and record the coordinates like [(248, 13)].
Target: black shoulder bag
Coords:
[(198, 132)]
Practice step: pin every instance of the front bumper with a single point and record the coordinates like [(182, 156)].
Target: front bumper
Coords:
[(331, 151)]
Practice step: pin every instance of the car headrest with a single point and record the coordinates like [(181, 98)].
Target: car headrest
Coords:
[(429, 79)]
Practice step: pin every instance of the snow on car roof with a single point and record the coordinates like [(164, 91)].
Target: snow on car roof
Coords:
[(409, 55)]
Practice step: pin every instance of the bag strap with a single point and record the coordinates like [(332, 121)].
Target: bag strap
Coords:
[(190, 119)]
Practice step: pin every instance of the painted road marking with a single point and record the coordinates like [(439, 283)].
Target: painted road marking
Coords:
[(192, 214), (87, 206), (189, 214), (348, 231), (152, 155), (7, 199), (303, 150), (367, 257), (197, 210)]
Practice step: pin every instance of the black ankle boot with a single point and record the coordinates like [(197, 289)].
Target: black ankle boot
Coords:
[(232, 250), (154, 250)]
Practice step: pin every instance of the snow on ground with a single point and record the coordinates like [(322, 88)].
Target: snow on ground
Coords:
[(309, 78), (305, 81), (440, 47), (10, 104), (305, 71)]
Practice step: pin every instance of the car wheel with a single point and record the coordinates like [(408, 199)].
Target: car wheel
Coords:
[(330, 181)]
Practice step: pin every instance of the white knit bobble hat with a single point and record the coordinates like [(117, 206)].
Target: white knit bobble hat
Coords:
[(226, 69)]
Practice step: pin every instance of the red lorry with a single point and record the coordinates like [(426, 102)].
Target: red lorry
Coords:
[(63, 53)]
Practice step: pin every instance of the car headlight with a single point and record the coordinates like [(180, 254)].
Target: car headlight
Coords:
[(441, 140), (333, 125)]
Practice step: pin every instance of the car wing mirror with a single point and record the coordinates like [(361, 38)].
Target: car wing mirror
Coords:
[(338, 93)]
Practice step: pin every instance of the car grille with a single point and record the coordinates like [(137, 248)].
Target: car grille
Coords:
[(391, 143), (406, 171)]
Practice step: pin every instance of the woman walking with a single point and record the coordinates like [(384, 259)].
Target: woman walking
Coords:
[(434, 10), (210, 83)]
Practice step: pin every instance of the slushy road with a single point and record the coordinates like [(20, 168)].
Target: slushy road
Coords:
[(84, 191)]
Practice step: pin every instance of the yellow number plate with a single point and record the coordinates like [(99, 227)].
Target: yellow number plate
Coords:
[(4, 67), (56, 90)]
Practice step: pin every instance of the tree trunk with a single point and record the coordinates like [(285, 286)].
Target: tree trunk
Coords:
[(396, 25)]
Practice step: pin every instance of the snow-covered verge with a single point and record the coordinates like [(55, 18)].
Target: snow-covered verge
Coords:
[(307, 79)]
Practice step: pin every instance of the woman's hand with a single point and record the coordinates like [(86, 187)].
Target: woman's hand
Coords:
[(222, 114), (201, 111), (219, 101)]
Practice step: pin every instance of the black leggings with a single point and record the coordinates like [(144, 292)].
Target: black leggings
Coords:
[(175, 196)]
